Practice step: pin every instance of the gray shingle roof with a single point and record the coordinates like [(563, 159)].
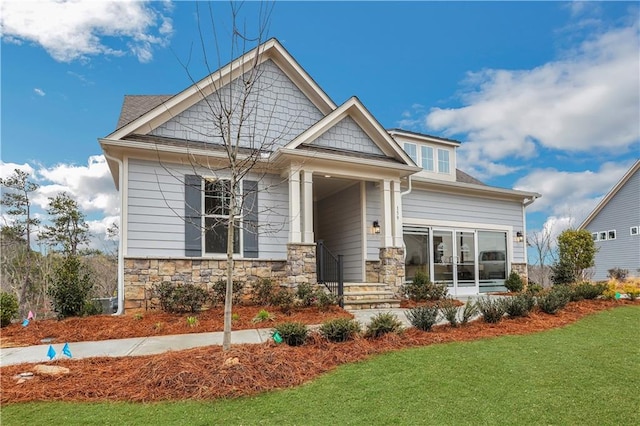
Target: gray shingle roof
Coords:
[(134, 106), (465, 178)]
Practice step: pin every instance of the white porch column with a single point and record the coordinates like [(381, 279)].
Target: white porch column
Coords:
[(387, 214), (294, 206), (307, 197), (397, 213)]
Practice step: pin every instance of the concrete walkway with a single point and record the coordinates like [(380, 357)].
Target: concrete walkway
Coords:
[(137, 346)]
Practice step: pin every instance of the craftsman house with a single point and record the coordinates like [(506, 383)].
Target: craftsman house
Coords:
[(615, 227), (328, 183)]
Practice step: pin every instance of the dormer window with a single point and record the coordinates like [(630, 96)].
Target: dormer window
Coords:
[(412, 151), (426, 152), (443, 161)]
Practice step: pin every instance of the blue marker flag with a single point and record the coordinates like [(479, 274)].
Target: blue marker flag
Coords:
[(277, 337), (25, 323), (66, 350), (51, 353)]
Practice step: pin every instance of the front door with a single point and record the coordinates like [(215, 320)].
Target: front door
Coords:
[(454, 261)]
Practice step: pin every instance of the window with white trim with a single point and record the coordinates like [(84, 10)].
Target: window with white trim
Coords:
[(594, 236), (611, 235), (427, 158), (443, 161), (412, 150), (602, 236), (217, 197), (634, 230)]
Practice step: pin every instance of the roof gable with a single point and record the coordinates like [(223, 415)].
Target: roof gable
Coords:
[(611, 194), (271, 49), (349, 120)]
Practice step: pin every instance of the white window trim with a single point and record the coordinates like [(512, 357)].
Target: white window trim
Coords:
[(602, 234), (417, 157), (594, 236), (637, 230), (433, 160), (448, 161), (609, 234), (203, 217)]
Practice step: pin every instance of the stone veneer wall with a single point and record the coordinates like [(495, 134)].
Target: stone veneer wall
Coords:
[(521, 269), (301, 264), (372, 271), (392, 268), (140, 274)]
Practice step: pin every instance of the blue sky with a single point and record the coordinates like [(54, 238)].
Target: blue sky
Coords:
[(544, 96)]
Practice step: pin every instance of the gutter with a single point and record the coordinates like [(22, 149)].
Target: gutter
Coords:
[(120, 310)]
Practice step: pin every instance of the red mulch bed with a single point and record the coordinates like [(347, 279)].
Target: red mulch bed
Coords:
[(201, 373), (152, 323)]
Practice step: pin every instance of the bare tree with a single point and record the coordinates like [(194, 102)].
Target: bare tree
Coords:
[(16, 197), (541, 242)]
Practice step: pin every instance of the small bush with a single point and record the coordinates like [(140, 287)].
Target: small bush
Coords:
[(293, 333), (324, 299), (219, 290), (262, 316), (91, 307), (8, 308), (632, 288), (423, 317), (555, 299), (492, 310), (534, 289), (587, 291), (262, 292), (70, 288), (562, 272), (469, 311), (192, 321), (618, 274), (450, 312), (306, 294), (180, 298), (383, 323), (520, 305), (422, 289), (514, 283), (340, 329), (284, 299)]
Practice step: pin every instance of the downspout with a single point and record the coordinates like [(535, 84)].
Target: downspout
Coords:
[(402, 194), (120, 239)]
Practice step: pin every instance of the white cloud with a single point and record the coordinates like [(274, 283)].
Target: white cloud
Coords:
[(588, 100), (39, 92), (76, 29), (570, 195), (7, 169)]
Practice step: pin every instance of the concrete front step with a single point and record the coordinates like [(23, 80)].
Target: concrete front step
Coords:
[(363, 287), (355, 305)]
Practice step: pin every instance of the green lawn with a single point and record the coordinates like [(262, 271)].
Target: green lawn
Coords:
[(587, 373)]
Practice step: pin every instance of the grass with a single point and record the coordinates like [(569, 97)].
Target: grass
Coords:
[(587, 374)]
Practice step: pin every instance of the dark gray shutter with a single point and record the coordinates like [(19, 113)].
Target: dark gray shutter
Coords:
[(250, 223), (192, 216)]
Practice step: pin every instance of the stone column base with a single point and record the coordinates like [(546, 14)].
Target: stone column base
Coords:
[(301, 264), (392, 271)]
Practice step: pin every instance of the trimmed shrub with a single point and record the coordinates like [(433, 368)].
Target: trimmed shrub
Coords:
[(450, 312), (520, 305), (587, 291), (492, 310), (324, 299), (262, 316), (180, 298), (340, 329), (422, 289), (91, 307), (563, 272), (555, 299), (423, 317), (306, 294), (514, 283), (632, 288), (70, 288), (469, 311), (8, 308), (285, 300), (293, 333), (219, 290), (534, 289), (262, 292), (383, 323)]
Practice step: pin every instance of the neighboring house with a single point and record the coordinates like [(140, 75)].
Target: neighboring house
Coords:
[(615, 227), (332, 173)]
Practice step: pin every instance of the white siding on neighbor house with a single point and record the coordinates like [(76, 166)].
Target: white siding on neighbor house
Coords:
[(340, 226), (347, 135), (374, 212), (284, 112), (155, 211), (619, 214), (431, 205)]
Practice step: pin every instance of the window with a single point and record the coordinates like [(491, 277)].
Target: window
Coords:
[(216, 209), (602, 236), (411, 150), (594, 236), (427, 158), (443, 161), (611, 235), (634, 230)]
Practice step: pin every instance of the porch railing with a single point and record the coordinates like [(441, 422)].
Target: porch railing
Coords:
[(330, 272)]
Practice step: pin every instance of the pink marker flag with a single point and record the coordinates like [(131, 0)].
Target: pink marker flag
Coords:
[(30, 316)]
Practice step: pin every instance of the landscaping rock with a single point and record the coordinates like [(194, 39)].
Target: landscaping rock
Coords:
[(230, 362), (50, 370)]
